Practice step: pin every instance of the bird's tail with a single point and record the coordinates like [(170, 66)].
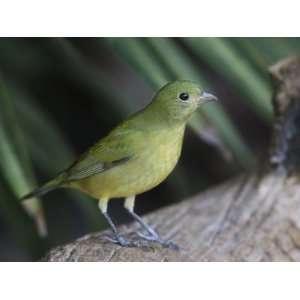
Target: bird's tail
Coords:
[(47, 187)]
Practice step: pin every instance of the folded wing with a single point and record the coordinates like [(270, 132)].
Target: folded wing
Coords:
[(113, 150)]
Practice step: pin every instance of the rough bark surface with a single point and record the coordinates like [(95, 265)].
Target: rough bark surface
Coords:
[(255, 217)]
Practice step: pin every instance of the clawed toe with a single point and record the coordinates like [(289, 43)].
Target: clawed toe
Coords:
[(156, 238), (148, 237), (171, 245), (123, 242), (118, 240)]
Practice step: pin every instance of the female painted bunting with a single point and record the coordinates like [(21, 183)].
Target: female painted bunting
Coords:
[(135, 156)]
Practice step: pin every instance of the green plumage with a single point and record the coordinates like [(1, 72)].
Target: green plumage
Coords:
[(139, 153)]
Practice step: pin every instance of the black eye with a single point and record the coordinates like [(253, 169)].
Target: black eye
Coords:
[(184, 96)]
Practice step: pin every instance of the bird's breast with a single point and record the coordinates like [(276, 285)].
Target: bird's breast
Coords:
[(158, 162)]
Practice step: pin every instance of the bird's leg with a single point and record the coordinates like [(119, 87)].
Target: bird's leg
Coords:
[(103, 207), (129, 205), (152, 234)]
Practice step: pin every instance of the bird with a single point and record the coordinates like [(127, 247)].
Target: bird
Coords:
[(135, 156)]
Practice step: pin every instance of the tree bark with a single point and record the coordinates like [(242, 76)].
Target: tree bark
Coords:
[(255, 217)]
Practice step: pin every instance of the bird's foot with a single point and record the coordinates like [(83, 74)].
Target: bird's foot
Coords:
[(118, 239), (155, 237)]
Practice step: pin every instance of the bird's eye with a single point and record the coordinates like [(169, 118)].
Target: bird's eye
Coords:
[(184, 96)]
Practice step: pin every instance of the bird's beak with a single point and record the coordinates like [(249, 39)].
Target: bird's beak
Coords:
[(207, 97)]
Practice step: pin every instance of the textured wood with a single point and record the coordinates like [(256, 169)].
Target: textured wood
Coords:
[(255, 217)]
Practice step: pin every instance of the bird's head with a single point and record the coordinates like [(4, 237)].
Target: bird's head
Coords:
[(179, 99)]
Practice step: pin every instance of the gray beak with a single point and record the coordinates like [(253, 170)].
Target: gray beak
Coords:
[(207, 97)]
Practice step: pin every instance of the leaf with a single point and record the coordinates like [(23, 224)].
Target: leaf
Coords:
[(50, 151), (77, 67), (223, 57), (275, 49), (135, 52), (14, 163), (21, 226)]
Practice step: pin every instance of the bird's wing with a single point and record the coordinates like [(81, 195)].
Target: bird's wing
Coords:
[(113, 150)]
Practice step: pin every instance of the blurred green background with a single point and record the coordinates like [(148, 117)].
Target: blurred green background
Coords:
[(58, 96)]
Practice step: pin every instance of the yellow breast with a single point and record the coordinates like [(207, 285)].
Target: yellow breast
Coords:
[(147, 170)]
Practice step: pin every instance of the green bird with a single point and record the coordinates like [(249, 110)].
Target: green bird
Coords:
[(135, 156)]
